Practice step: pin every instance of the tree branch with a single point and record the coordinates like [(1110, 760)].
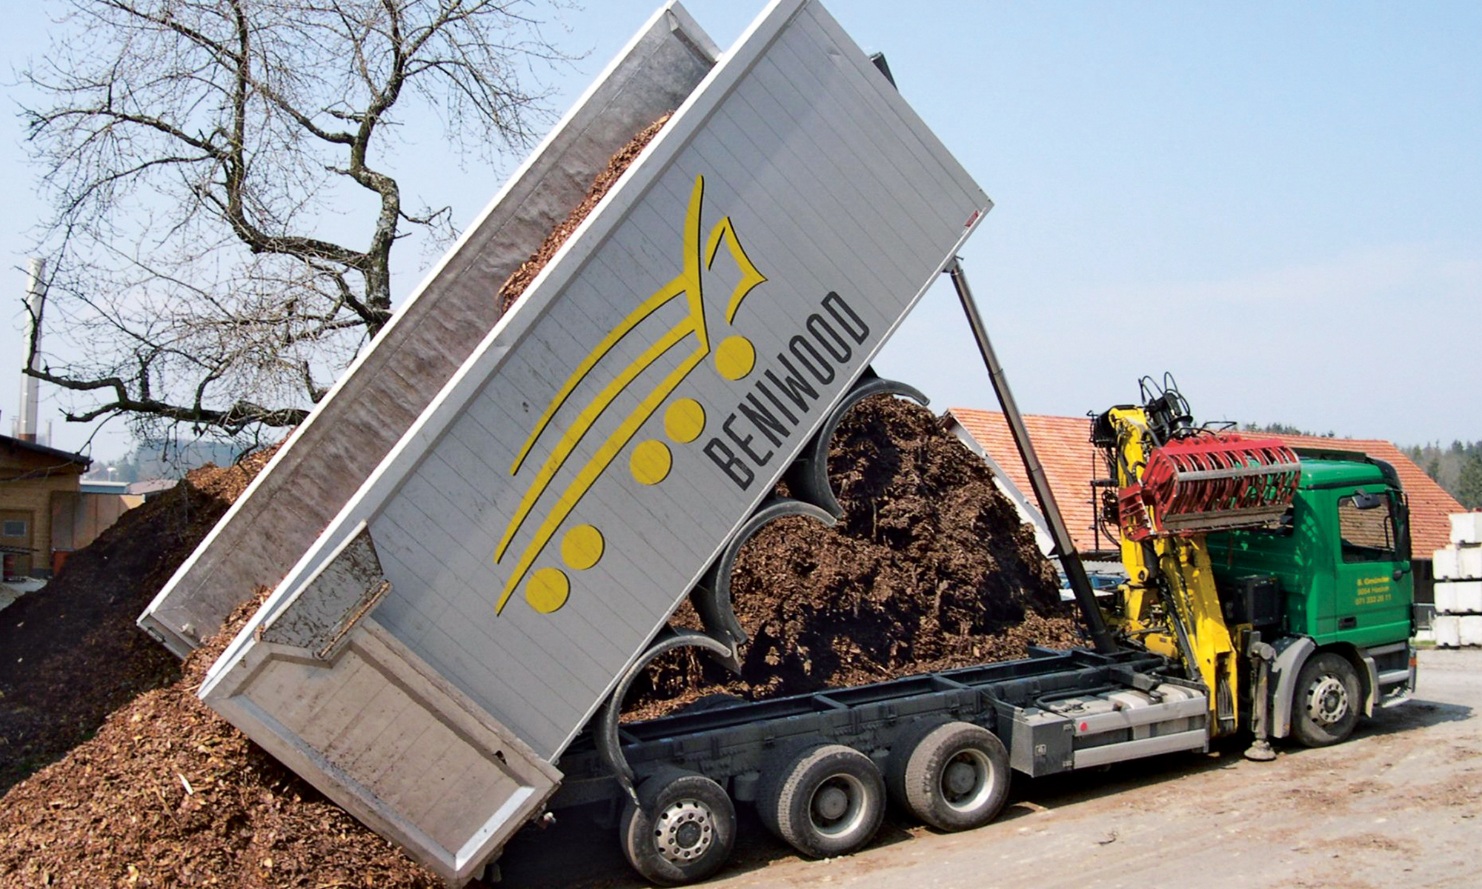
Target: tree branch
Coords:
[(192, 150)]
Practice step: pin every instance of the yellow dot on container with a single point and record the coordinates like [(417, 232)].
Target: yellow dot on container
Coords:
[(581, 547), (650, 462), (684, 420), (547, 590), (734, 357)]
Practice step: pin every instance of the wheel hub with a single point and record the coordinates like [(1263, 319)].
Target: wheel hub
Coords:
[(838, 805), (685, 831), (960, 778), (967, 780), (832, 803), (1327, 702)]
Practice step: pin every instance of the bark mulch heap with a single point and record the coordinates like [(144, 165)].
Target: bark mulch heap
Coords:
[(169, 794), (163, 792), (929, 569), (70, 653)]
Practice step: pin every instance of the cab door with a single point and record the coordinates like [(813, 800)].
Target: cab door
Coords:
[(1374, 588)]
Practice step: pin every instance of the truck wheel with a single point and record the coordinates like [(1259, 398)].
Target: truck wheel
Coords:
[(952, 776), (683, 831), (1327, 700), (825, 801)]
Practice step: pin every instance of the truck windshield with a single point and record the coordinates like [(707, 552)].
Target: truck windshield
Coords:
[(1368, 534)]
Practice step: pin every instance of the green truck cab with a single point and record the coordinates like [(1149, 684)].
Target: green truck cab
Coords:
[(1333, 578)]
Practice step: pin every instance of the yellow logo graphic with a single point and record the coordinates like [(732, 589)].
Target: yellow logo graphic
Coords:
[(649, 461)]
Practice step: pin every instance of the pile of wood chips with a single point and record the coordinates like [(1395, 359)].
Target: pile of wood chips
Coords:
[(70, 653), (146, 786), (929, 569), (169, 794)]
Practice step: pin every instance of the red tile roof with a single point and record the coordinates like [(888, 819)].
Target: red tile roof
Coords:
[(1430, 529), (1064, 448), (1063, 445)]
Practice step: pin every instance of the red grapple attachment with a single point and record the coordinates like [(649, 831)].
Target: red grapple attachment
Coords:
[(1208, 482)]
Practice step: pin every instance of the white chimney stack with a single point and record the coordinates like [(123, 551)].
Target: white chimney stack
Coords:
[(30, 386)]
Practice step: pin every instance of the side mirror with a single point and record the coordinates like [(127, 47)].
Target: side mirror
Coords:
[(1366, 500)]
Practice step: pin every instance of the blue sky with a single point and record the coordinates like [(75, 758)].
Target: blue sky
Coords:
[(1279, 203)]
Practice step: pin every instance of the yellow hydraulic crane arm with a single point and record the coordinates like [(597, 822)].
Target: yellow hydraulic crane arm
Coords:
[(1169, 604)]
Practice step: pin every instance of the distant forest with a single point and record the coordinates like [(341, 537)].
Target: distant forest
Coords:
[(1456, 467), (164, 460)]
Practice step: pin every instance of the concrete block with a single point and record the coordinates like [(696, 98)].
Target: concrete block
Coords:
[(1458, 563), (1447, 628), (1466, 527), (1459, 597), (1468, 596), (1468, 563), (1471, 630), (1444, 564)]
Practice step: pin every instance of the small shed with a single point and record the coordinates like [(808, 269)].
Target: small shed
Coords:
[(32, 478), (78, 517)]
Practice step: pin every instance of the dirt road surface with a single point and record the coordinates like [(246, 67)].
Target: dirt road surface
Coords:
[(1399, 804)]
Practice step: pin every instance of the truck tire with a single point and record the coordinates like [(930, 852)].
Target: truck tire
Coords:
[(824, 801), (682, 832), (1328, 697), (951, 776)]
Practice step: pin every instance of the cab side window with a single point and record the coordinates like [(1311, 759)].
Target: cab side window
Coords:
[(1366, 526)]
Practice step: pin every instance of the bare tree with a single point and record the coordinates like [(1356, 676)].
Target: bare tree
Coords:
[(205, 155)]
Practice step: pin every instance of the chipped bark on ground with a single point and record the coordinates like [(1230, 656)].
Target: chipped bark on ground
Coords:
[(71, 653), (169, 794)]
